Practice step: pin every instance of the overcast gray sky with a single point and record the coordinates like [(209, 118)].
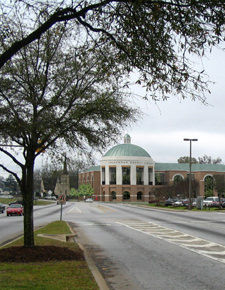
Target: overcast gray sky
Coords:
[(165, 125)]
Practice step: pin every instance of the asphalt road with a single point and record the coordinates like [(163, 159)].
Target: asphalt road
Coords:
[(140, 248), (12, 226)]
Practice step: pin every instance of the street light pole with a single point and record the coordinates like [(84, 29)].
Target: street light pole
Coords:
[(190, 162)]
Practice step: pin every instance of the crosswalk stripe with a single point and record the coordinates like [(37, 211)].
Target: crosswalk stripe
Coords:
[(203, 247)]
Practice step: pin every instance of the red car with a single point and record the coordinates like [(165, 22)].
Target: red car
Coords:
[(14, 209)]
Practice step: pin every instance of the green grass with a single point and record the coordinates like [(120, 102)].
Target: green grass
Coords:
[(47, 275), (36, 202), (44, 202), (184, 207), (7, 200), (161, 205)]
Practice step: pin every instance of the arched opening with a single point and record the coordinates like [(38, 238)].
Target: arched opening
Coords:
[(139, 195), (113, 195), (208, 185), (103, 196), (177, 179), (126, 195)]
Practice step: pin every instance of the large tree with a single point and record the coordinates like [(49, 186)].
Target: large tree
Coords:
[(154, 38), (50, 93), (11, 184)]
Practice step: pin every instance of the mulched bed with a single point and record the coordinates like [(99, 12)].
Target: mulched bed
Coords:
[(39, 254)]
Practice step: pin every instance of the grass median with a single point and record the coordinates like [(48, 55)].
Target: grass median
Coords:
[(66, 270)]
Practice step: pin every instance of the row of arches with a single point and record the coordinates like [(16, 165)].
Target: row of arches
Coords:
[(126, 195), (208, 182)]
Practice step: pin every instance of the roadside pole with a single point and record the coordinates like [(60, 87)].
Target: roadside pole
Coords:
[(60, 211), (62, 200)]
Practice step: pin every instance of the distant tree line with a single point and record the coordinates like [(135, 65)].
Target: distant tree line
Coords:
[(50, 172), (205, 159), (9, 184)]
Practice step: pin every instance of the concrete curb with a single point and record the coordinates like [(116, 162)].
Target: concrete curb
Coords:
[(95, 272), (91, 264)]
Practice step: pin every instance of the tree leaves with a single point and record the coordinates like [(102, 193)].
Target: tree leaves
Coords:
[(156, 38)]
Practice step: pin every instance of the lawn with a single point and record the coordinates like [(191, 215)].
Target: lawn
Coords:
[(36, 202), (162, 206), (61, 275)]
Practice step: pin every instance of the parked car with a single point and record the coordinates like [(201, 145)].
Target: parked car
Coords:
[(51, 197), (179, 202), (212, 201), (14, 209), (194, 201), (2, 208), (89, 200), (186, 202), (170, 201)]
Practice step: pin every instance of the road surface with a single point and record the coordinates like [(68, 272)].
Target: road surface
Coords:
[(140, 248), (137, 248)]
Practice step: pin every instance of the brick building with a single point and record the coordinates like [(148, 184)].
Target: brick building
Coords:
[(128, 172)]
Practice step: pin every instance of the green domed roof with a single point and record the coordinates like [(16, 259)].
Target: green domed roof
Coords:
[(127, 150)]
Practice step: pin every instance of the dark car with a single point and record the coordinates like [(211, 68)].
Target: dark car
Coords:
[(186, 202), (2, 208), (170, 201), (14, 209)]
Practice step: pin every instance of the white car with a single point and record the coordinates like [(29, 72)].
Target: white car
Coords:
[(209, 200), (179, 202), (89, 200)]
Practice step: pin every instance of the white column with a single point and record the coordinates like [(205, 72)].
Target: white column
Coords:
[(145, 175), (133, 174), (118, 174)]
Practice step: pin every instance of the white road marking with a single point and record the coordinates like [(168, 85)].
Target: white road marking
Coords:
[(203, 247), (74, 209)]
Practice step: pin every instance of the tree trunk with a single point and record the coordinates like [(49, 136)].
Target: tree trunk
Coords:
[(27, 190)]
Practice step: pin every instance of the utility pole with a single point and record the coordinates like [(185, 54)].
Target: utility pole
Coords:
[(190, 162)]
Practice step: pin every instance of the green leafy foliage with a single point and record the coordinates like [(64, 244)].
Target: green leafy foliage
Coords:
[(53, 94), (65, 69), (85, 190), (155, 38)]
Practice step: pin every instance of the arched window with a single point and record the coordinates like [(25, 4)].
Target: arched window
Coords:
[(126, 195), (113, 194), (139, 195), (208, 185), (177, 178), (103, 196)]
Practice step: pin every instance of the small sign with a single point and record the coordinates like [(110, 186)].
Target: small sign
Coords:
[(62, 198)]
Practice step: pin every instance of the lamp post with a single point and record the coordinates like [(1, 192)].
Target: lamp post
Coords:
[(189, 190)]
